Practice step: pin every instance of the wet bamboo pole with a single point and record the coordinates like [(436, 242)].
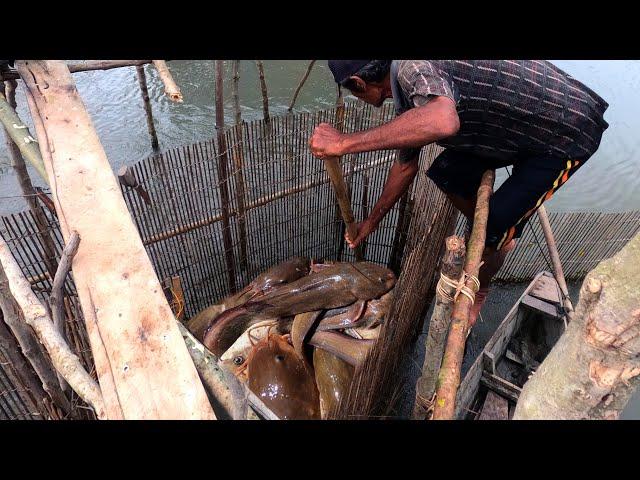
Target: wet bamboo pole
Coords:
[(28, 191), (19, 133), (263, 88), (449, 376), (142, 80), (299, 87), (223, 178), (170, 87), (142, 363), (555, 259)]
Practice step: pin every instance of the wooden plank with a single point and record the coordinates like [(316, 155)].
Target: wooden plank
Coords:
[(540, 306), (501, 386), (546, 288), (143, 366), (495, 407)]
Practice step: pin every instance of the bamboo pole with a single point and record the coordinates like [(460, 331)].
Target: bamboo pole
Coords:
[(28, 343), (170, 87), (299, 87), (223, 178), (449, 377), (555, 260), (19, 133), (27, 188), (36, 316), (452, 263), (56, 299), (142, 80), (23, 369), (263, 88), (142, 363), (235, 92)]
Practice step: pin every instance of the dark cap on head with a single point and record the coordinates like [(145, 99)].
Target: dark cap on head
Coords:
[(343, 69)]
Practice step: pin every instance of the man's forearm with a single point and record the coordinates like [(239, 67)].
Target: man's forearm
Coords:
[(398, 182), (414, 128)]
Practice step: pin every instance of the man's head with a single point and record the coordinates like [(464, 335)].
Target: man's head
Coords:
[(366, 79)]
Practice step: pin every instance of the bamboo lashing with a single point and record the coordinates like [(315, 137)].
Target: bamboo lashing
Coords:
[(449, 377)]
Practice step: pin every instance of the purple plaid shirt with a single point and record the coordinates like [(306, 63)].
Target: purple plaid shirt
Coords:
[(507, 108)]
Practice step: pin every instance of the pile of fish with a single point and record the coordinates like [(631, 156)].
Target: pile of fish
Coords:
[(296, 333)]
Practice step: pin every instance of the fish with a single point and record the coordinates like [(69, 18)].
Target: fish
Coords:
[(271, 279), (333, 377), (347, 348), (365, 316), (282, 379), (335, 286)]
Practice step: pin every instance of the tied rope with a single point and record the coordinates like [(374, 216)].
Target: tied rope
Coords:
[(459, 285)]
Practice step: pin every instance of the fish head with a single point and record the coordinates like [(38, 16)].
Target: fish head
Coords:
[(381, 279)]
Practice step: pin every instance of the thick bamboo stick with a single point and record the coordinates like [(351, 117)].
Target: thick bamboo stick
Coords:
[(299, 87), (170, 87), (36, 316), (19, 133), (555, 259), (449, 377), (143, 366), (27, 341), (27, 188), (223, 177), (263, 88), (452, 263), (142, 80), (235, 93)]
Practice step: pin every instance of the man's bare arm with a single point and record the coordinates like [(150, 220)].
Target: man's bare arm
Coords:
[(398, 182), (433, 121)]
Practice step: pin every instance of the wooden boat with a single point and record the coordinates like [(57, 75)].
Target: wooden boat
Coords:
[(490, 389)]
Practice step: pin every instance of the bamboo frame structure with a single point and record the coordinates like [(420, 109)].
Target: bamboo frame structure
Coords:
[(449, 376), (90, 65), (134, 383)]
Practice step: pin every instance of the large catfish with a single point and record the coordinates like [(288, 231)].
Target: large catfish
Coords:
[(332, 287), (271, 279)]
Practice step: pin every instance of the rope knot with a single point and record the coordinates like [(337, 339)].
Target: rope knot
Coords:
[(460, 286)]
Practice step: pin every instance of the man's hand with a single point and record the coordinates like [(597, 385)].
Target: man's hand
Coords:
[(326, 141), (364, 229)]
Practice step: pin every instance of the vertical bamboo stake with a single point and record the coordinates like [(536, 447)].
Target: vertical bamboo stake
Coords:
[(449, 377), (235, 92), (299, 87), (238, 160), (438, 326), (263, 87), (142, 80), (555, 259), (223, 178)]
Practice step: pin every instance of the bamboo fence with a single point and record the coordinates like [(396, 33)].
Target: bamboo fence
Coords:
[(280, 204)]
